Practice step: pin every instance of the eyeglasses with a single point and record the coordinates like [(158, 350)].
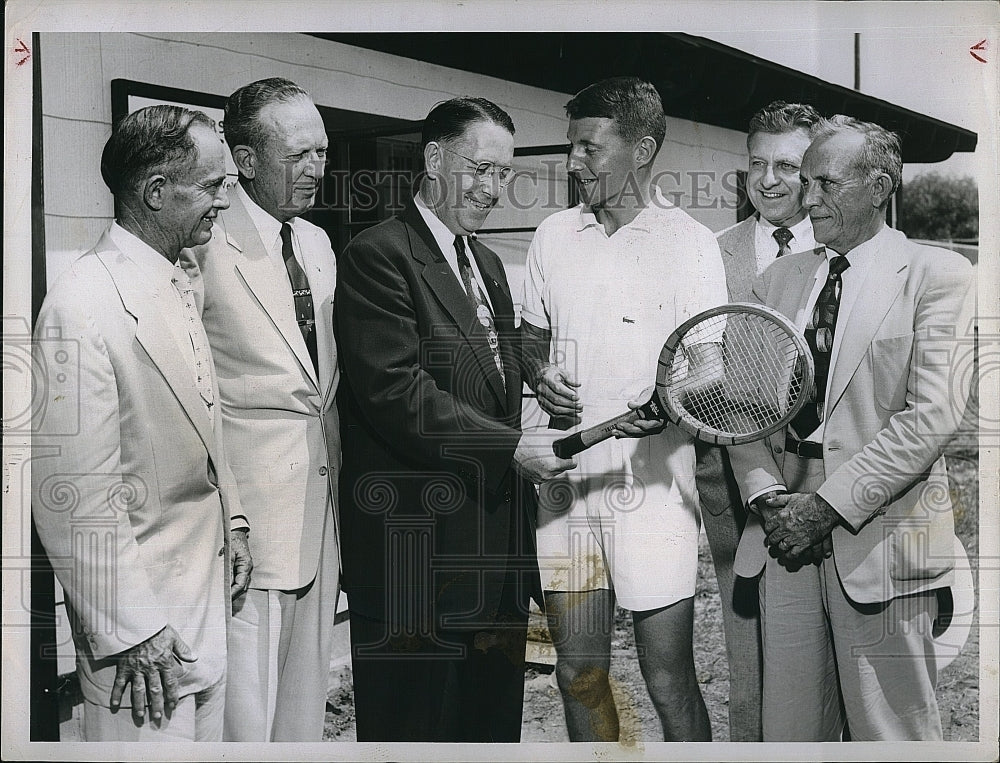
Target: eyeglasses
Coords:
[(486, 170)]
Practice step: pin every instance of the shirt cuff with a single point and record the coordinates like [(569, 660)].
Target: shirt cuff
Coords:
[(239, 522), (772, 489)]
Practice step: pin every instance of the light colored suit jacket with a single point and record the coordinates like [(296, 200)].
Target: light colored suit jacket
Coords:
[(739, 255), (894, 400), (279, 419), (130, 490)]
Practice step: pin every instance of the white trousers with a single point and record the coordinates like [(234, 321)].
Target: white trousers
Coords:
[(827, 659), (195, 718), (280, 644)]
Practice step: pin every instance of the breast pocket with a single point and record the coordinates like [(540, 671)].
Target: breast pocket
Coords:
[(890, 362)]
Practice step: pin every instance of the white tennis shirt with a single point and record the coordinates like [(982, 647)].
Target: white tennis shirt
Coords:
[(611, 301)]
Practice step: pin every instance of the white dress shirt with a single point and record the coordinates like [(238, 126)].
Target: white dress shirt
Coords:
[(446, 243), (766, 247), (269, 228)]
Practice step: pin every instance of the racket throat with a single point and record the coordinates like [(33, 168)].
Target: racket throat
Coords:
[(651, 410)]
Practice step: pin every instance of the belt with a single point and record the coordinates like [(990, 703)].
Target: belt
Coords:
[(803, 448)]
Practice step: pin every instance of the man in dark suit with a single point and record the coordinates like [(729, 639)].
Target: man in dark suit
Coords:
[(778, 136), (436, 495)]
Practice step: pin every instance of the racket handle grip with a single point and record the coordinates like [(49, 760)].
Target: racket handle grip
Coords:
[(567, 447)]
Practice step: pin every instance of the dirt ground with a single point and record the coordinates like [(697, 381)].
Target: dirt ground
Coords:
[(958, 684)]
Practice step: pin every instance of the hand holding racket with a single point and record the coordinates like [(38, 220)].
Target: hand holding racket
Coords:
[(729, 375)]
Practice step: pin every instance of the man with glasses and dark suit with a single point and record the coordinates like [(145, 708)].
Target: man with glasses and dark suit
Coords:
[(436, 494)]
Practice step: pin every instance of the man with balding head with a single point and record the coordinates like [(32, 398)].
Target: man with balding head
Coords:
[(130, 489), (268, 278), (852, 523)]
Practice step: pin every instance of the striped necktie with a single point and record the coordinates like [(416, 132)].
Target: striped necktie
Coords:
[(479, 304), (819, 335), (301, 293)]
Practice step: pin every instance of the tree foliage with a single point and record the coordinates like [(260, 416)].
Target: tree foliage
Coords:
[(939, 207)]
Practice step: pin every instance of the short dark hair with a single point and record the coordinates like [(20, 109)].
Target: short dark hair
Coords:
[(634, 105), (881, 153), (449, 119), (780, 117), (149, 140), (240, 124)]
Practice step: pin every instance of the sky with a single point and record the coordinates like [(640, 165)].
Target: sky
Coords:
[(916, 55)]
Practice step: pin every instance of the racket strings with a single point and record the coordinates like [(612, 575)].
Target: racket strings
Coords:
[(734, 374)]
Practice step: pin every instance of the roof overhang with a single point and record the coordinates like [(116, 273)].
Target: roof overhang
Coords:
[(698, 79)]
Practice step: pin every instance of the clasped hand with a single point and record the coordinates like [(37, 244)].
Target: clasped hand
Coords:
[(557, 395), (798, 526)]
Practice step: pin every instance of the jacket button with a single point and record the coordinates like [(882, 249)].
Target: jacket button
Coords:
[(777, 449), (322, 471), (222, 551)]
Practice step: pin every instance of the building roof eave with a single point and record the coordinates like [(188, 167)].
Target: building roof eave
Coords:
[(698, 79)]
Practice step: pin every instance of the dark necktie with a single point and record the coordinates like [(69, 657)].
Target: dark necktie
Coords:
[(783, 236), (479, 304), (301, 293), (819, 335)]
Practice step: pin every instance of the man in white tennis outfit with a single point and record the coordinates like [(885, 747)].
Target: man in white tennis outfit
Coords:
[(606, 283)]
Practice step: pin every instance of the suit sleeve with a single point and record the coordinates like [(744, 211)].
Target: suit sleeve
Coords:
[(80, 494), (381, 344), (936, 393)]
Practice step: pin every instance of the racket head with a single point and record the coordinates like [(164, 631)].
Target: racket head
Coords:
[(734, 374)]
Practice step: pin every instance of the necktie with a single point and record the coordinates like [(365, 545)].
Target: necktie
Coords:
[(301, 293), (479, 304), (783, 236), (199, 340), (819, 335)]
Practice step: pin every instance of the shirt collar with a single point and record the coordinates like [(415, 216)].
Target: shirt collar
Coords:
[(142, 254), (268, 226), (445, 238), (798, 231), (643, 221), (864, 250)]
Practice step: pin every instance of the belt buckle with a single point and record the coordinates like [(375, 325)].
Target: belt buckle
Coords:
[(796, 446)]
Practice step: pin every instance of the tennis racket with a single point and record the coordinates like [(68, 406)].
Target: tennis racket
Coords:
[(729, 375)]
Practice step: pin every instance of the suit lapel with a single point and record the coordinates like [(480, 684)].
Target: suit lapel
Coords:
[(740, 250), (793, 292), (450, 293), (886, 276), (155, 338), (322, 278), (264, 281)]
